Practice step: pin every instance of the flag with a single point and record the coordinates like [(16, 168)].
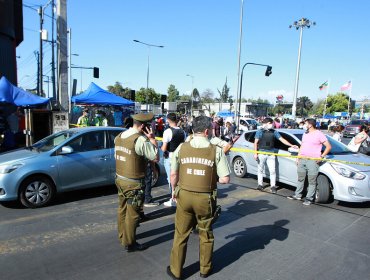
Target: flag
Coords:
[(346, 86), (323, 85)]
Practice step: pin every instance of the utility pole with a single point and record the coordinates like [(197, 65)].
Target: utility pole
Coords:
[(40, 76), (62, 54), (38, 72), (52, 50)]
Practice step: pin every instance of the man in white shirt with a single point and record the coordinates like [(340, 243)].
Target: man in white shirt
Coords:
[(172, 138)]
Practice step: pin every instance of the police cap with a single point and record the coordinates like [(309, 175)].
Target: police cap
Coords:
[(143, 118)]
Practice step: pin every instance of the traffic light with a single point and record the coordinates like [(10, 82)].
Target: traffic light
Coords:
[(96, 72), (268, 71), (163, 98)]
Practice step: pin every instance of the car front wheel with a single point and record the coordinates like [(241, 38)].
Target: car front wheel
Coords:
[(36, 192), (323, 190), (239, 167)]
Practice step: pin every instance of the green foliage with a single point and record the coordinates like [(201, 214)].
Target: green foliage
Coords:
[(173, 94), (117, 89), (185, 97), (278, 109), (304, 104), (337, 103), (149, 95), (255, 101), (224, 94), (196, 94), (318, 107)]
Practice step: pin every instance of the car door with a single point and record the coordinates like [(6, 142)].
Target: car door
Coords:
[(286, 167), (88, 165), (249, 142), (111, 134)]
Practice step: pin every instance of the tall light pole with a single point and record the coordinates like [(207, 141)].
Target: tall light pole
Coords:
[(192, 92), (147, 73), (300, 24), (267, 73), (239, 55)]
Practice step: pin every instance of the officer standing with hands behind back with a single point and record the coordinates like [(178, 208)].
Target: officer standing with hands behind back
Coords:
[(133, 148), (196, 166)]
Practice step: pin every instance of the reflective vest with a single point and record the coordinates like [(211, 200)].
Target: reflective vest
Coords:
[(128, 163), (197, 170), (267, 141), (83, 121), (177, 138)]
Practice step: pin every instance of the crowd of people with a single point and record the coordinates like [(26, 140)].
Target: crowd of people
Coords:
[(195, 161)]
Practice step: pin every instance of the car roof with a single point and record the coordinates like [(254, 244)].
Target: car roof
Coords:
[(94, 128), (286, 130)]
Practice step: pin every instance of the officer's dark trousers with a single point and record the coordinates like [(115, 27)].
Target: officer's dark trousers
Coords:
[(192, 208), (128, 214)]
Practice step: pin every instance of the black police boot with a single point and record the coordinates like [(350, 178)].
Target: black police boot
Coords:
[(136, 247), (173, 277)]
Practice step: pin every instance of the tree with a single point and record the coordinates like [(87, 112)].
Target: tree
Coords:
[(304, 104), (337, 103), (185, 97), (318, 107), (173, 94), (207, 97), (224, 94), (149, 95), (196, 95), (117, 89)]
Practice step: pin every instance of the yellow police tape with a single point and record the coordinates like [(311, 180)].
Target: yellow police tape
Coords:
[(290, 156), (303, 157)]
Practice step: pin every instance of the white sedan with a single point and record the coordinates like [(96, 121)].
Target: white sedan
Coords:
[(344, 180)]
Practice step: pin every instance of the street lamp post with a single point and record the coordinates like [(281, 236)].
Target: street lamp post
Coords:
[(239, 55), (300, 24), (147, 73), (267, 73), (191, 95)]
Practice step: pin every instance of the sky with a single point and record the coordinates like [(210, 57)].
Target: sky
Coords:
[(201, 39)]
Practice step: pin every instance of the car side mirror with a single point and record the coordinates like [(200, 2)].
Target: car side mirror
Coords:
[(293, 150), (66, 150)]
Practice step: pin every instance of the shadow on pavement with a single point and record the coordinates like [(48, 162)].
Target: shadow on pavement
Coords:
[(253, 238), (243, 208)]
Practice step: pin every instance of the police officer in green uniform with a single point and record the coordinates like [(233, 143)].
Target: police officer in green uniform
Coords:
[(133, 148), (196, 166)]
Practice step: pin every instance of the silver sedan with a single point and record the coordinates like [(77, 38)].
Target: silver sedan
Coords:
[(72, 159), (343, 180)]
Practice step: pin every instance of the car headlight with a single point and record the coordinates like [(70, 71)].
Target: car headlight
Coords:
[(4, 169), (348, 172)]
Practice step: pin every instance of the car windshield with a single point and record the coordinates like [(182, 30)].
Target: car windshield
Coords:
[(337, 148), (357, 122), (52, 141)]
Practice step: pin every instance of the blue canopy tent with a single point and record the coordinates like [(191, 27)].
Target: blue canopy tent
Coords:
[(95, 95), (225, 114), (11, 94), (329, 116)]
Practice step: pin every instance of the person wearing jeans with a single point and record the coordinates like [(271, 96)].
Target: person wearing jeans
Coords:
[(172, 138), (265, 142), (311, 147)]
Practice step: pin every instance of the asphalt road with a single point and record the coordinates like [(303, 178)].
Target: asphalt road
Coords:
[(258, 236)]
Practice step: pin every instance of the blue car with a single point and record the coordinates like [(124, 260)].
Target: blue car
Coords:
[(72, 159)]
